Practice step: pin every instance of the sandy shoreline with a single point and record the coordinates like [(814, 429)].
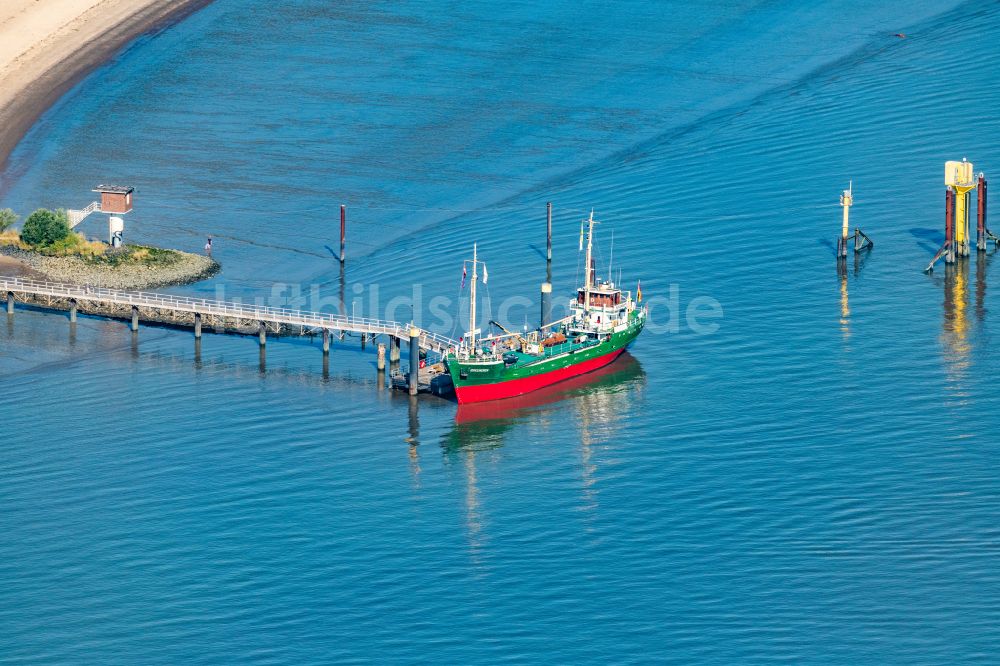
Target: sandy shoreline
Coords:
[(47, 46)]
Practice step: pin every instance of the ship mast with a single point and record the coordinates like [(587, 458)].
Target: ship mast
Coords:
[(472, 302), (611, 259), (588, 272)]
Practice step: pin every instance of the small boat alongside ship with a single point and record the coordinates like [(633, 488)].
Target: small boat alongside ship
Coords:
[(603, 321)]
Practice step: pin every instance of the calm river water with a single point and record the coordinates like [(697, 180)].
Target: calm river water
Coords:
[(808, 478)]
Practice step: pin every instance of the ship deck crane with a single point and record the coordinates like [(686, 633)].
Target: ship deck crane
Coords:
[(519, 337)]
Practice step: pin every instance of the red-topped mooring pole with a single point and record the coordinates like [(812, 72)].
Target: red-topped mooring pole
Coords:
[(949, 225), (981, 215)]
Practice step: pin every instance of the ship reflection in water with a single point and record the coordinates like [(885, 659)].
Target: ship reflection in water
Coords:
[(604, 395), (593, 403)]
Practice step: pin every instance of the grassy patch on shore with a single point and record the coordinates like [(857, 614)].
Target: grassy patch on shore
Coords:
[(12, 238), (140, 254), (95, 252)]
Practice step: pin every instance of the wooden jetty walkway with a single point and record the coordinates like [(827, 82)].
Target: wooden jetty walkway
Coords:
[(221, 316)]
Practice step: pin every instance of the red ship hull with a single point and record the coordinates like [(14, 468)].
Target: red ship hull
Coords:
[(623, 368), (516, 387)]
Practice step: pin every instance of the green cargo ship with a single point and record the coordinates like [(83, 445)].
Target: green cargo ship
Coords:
[(603, 321)]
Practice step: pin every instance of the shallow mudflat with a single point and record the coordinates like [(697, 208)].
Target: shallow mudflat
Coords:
[(11, 267)]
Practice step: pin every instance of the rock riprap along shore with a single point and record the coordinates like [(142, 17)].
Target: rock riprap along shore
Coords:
[(161, 268)]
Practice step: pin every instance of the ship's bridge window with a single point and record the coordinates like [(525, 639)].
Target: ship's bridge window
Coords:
[(600, 300)]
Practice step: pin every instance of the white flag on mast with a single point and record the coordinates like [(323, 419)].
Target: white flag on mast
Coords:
[(486, 276)]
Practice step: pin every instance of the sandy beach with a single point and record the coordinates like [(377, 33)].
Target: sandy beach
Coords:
[(46, 46)]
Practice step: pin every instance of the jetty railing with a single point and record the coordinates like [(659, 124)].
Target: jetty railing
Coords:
[(226, 309)]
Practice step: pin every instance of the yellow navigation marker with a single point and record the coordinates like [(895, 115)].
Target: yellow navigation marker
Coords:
[(959, 176)]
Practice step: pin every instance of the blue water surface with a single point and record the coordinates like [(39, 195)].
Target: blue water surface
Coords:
[(808, 477)]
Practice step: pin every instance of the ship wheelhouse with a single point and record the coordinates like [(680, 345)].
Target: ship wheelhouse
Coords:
[(603, 296), (601, 309)]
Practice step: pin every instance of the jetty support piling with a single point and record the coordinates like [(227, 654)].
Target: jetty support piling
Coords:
[(381, 357), (326, 342), (343, 231), (220, 316), (546, 314), (363, 338), (414, 360), (72, 310)]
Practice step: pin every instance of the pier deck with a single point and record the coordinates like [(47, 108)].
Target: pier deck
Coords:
[(223, 316)]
